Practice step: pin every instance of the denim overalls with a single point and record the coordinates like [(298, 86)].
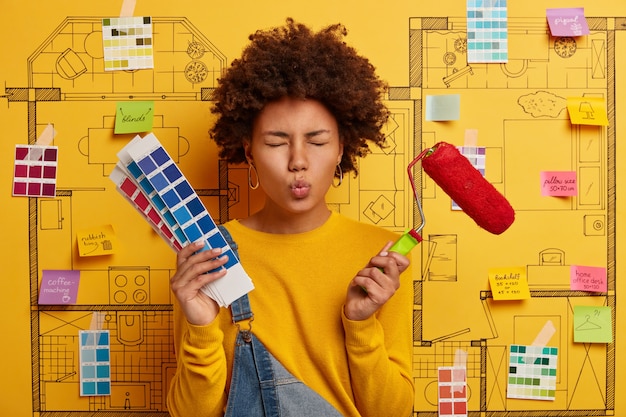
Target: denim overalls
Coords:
[(260, 385)]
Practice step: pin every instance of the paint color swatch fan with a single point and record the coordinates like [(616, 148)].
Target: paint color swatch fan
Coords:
[(458, 178), (151, 181)]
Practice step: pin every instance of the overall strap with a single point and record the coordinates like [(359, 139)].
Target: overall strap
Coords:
[(240, 308)]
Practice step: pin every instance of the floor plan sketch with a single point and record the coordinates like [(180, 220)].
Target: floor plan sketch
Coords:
[(518, 109), (522, 120)]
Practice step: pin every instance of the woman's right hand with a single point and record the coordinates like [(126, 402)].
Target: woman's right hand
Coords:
[(191, 275)]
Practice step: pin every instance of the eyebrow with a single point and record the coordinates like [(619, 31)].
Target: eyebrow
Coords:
[(280, 133)]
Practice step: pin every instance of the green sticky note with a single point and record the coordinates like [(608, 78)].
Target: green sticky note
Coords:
[(134, 116), (593, 324)]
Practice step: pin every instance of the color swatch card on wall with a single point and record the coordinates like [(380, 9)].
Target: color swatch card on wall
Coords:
[(35, 171), (152, 169), (487, 33), (95, 362), (532, 372), (127, 43), (452, 382)]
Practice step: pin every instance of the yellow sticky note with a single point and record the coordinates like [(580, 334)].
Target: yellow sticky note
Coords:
[(509, 283), (97, 241), (587, 111)]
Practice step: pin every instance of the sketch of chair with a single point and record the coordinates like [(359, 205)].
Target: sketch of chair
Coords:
[(69, 65)]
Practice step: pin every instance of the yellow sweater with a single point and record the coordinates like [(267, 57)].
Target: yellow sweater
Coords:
[(363, 368)]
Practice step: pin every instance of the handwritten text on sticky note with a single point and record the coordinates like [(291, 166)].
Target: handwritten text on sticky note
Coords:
[(58, 287), (558, 183), (509, 283), (97, 241), (134, 116), (567, 21), (588, 278)]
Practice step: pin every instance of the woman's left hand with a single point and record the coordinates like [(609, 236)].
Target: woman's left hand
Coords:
[(375, 284)]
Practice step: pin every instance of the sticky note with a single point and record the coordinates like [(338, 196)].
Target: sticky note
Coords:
[(443, 107), (593, 324), (509, 283), (558, 183), (567, 21), (97, 241), (588, 278), (58, 287), (134, 116), (587, 111)]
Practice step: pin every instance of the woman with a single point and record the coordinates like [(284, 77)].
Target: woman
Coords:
[(300, 107)]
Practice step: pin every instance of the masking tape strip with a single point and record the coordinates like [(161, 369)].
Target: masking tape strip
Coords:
[(460, 361), (45, 139), (128, 8), (47, 136), (544, 336), (97, 320), (471, 137)]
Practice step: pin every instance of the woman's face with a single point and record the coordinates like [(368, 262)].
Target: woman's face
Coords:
[(295, 149)]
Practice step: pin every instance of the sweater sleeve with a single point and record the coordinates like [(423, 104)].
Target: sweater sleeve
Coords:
[(198, 386), (379, 357)]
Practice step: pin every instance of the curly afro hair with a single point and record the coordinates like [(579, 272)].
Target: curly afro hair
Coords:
[(293, 61)]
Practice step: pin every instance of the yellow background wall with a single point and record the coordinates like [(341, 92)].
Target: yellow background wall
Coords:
[(451, 316)]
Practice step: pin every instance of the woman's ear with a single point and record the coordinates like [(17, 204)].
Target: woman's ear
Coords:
[(247, 148)]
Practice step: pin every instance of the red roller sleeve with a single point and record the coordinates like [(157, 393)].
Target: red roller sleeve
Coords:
[(454, 173)]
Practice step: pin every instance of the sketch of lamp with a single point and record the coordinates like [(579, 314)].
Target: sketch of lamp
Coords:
[(585, 107)]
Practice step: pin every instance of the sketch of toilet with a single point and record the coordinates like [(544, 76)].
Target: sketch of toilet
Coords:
[(130, 328)]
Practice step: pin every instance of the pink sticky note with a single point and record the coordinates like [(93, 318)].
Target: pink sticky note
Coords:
[(558, 183), (567, 21), (58, 287), (588, 278)]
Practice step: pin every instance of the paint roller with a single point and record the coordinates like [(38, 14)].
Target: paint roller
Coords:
[(458, 178)]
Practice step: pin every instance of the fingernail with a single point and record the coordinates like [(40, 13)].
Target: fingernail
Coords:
[(384, 253)]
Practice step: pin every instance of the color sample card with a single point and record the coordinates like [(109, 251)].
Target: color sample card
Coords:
[(95, 362), (452, 382), (127, 43), (476, 155), (532, 372), (142, 203), (487, 34), (35, 171), (153, 169)]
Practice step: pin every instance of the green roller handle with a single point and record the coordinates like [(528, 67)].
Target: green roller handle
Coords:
[(406, 242)]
